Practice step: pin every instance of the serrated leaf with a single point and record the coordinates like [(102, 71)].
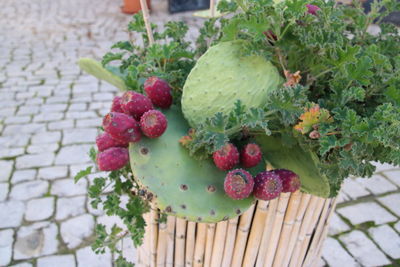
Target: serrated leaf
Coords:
[(83, 173)]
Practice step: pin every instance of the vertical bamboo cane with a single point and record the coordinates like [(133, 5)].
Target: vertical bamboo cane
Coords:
[(241, 237), (256, 233), (170, 240), (153, 235), (200, 244), (212, 8), (190, 242), (146, 18), (209, 244), (279, 246), (180, 242), (219, 244), (147, 241), (162, 244), (230, 242)]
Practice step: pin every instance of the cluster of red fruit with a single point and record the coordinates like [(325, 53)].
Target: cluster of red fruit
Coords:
[(239, 184), (132, 115)]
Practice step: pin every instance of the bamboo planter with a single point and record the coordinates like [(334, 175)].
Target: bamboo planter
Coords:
[(287, 231)]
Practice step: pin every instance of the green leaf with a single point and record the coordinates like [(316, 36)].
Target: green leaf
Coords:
[(83, 173), (361, 70)]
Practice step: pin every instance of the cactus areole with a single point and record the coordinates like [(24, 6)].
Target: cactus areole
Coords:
[(223, 75)]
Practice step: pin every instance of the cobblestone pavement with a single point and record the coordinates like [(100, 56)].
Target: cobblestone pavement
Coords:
[(49, 112)]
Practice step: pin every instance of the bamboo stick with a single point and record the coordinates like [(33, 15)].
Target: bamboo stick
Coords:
[(256, 233), (162, 244), (170, 241), (147, 241), (219, 244), (273, 204), (241, 236), (200, 244), (190, 242), (146, 18), (153, 235), (209, 244), (212, 8), (230, 242), (180, 242), (280, 243)]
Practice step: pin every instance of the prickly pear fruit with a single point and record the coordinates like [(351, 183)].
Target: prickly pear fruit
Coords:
[(267, 185), (112, 159), (158, 91), (135, 104), (312, 9), (116, 105), (238, 184), (290, 180), (153, 123), (122, 127), (104, 141), (250, 155), (227, 157)]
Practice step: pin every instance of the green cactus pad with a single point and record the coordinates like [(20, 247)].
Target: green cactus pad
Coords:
[(221, 77), (183, 186), (95, 68), (296, 160)]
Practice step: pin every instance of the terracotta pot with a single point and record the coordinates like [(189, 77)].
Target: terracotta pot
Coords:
[(133, 6)]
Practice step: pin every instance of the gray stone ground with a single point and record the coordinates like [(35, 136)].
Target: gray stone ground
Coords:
[(49, 112)]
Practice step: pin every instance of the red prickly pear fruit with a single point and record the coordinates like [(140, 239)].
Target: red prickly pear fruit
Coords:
[(122, 127), (116, 105), (267, 185), (227, 157), (112, 159), (290, 180), (153, 123), (158, 91), (250, 155), (135, 104), (104, 141), (312, 9), (238, 184)]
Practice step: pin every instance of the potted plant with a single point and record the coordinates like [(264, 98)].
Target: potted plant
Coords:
[(133, 6), (222, 132)]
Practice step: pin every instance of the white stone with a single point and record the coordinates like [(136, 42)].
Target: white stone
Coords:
[(42, 148), (69, 207), (353, 189), (365, 212), (77, 106), (397, 226), (51, 173), (39, 239), (110, 221), (67, 187), (23, 175), (46, 138), (387, 240), (394, 176), (24, 128), (75, 154), (377, 184), (56, 260), (3, 191), (6, 167), (337, 225), (59, 125), (28, 190), (81, 114), (88, 123), (11, 213), (11, 152), (46, 117), (77, 136), (17, 119), (23, 264), (76, 230), (6, 241), (363, 249), (39, 209), (53, 108), (86, 257), (17, 140), (392, 202), (335, 255), (383, 166), (35, 160), (129, 251)]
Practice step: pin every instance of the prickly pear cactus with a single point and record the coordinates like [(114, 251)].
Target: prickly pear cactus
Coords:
[(222, 76), (183, 186)]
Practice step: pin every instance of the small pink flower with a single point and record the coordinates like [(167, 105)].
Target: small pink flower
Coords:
[(312, 9)]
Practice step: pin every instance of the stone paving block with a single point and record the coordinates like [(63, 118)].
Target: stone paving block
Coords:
[(86, 257), (7, 112), (67, 187), (46, 117), (392, 202), (335, 255), (6, 167), (53, 108), (18, 140), (3, 191), (59, 125), (363, 249), (70, 207), (24, 129), (337, 225), (46, 138), (75, 154), (11, 213), (28, 190), (23, 175), (28, 110), (89, 123), (393, 176), (377, 184), (81, 114), (57, 260), (6, 241), (354, 189), (35, 160), (42, 148), (397, 226), (77, 136), (39, 239), (11, 152), (382, 166), (77, 106), (74, 231), (387, 240), (17, 119), (52, 173), (23, 264), (39, 209), (362, 212)]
